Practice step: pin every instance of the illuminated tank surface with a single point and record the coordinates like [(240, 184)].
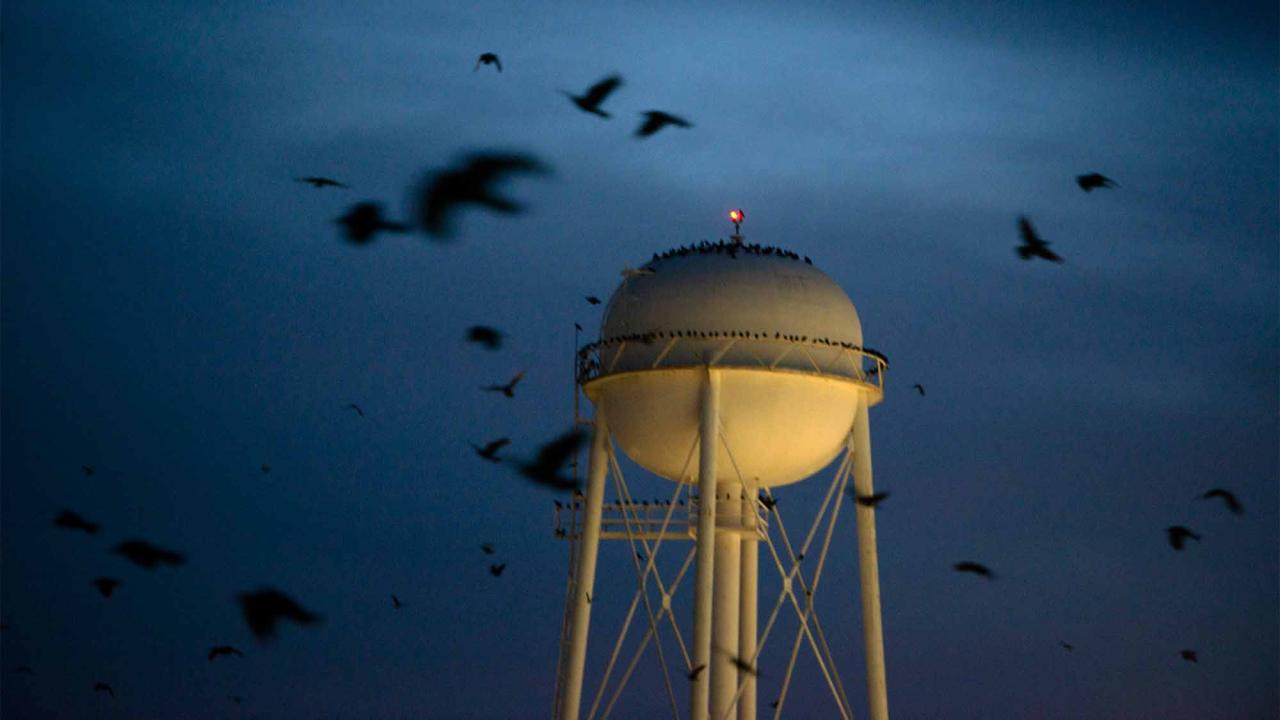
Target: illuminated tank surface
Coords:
[(784, 337)]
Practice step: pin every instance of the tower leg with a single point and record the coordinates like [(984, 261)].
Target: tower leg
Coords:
[(585, 574), (726, 603), (708, 443), (869, 569), (747, 606)]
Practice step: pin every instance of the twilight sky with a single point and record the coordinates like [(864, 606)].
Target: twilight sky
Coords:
[(178, 311)]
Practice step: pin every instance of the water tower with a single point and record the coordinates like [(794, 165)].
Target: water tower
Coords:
[(729, 368)]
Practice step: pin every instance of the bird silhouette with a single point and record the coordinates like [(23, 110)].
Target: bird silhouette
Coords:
[(265, 607), (265, 468), (655, 120), (1066, 646), (320, 182), (590, 100), (694, 673), (919, 388), (490, 450), (487, 548), (545, 468), (441, 194), (1189, 655), (148, 556), (103, 687), (72, 521), (871, 500), (395, 603), (1178, 536), (364, 220), (218, 651), (593, 300), (23, 670), (235, 699), (106, 585), (768, 502), (975, 568), (1227, 497), (509, 388), (488, 59), (1094, 180), (87, 470), (1032, 244), (496, 570), (485, 336), (356, 407)]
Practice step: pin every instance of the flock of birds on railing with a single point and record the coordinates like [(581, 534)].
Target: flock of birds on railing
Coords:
[(730, 248)]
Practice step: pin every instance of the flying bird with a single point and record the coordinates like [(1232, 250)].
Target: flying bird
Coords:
[(395, 603), (545, 468), (655, 120), (1189, 655), (106, 585), (1066, 646), (356, 407), (72, 521), (1032, 244), (487, 548), (488, 59), (1227, 497), (871, 500), (593, 300), (975, 568), (470, 183), (320, 182), (103, 687), (1094, 180), (496, 570), (484, 335), (148, 556), (218, 651), (265, 468), (1178, 536), (87, 469), (590, 100), (267, 606), (509, 388), (919, 388), (490, 450), (23, 670), (364, 220)]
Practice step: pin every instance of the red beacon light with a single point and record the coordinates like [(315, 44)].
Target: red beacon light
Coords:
[(736, 216)]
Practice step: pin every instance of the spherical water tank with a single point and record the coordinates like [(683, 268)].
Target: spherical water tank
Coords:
[(784, 339)]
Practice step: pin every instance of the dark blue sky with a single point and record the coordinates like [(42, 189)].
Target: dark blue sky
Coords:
[(177, 311)]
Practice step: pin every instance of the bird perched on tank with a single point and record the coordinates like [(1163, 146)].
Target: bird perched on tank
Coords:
[(590, 101), (1094, 180), (442, 193)]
